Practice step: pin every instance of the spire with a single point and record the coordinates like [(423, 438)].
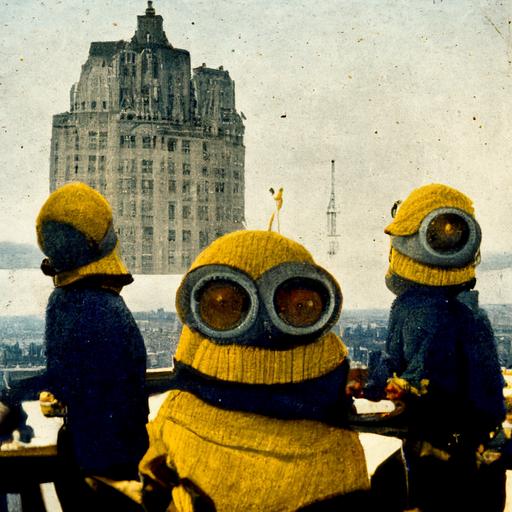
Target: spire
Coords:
[(331, 218), (332, 202), (150, 11)]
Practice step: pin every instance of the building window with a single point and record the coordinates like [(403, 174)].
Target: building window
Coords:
[(128, 141), (146, 142), (147, 167), (185, 260), (236, 188), (68, 168), (219, 214), (186, 212), (172, 211), (186, 169), (147, 262), (91, 166), (147, 186), (185, 146), (202, 212), (77, 142), (203, 239), (103, 140), (219, 173), (146, 206), (171, 145), (172, 186), (172, 235), (101, 164), (185, 188), (104, 105), (219, 187), (170, 168), (172, 258), (93, 105), (236, 175), (147, 233), (204, 171), (186, 236)]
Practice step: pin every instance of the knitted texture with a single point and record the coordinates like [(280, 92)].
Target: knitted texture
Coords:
[(404, 266), (88, 212), (421, 202), (250, 462), (255, 365), (254, 252), (255, 458)]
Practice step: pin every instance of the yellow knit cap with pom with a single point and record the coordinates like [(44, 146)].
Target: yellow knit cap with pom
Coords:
[(421, 202)]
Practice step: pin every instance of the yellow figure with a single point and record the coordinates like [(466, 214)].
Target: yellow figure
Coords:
[(278, 198), (255, 419)]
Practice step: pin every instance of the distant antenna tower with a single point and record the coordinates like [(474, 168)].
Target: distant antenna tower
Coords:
[(331, 218)]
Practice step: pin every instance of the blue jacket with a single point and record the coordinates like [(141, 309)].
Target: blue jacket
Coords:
[(434, 336), (96, 366)]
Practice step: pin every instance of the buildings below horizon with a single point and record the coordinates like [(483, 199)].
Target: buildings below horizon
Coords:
[(165, 146), (363, 331)]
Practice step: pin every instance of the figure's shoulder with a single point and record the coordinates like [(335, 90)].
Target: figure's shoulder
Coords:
[(419, 301)]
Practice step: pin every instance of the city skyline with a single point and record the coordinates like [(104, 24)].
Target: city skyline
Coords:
[(399, 94)]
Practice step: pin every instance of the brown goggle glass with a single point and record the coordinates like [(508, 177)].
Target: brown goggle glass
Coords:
[(447, 237), (295, 299)]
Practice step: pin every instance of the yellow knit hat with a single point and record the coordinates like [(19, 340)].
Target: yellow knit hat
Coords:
[(421, 202), (255, 252), (74, 229), (407, 222)]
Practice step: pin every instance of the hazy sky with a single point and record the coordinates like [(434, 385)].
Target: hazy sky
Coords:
[(399, 93)]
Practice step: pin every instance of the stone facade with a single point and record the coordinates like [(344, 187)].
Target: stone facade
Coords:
[(166, 148)]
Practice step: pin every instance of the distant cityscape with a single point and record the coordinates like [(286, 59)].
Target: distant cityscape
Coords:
[(363, 331)]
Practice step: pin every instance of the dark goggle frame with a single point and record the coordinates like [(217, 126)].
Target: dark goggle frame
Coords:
[(261, 295), (418, 248)]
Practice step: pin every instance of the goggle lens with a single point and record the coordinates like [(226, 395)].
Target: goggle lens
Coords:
[(447, 233), (223, 305), (299, 303)]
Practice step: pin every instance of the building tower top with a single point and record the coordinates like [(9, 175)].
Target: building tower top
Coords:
[(331, 218), (150, 27), (150, 11)]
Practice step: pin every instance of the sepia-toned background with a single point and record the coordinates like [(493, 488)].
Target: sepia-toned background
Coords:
[(399, 93)]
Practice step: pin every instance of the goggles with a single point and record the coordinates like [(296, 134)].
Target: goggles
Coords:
[(296, 300), (447, 237)]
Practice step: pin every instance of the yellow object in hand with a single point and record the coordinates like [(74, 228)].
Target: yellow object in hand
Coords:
[(50, 406)]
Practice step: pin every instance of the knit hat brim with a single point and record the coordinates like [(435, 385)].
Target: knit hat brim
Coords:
[(407, 268), (110, 265)]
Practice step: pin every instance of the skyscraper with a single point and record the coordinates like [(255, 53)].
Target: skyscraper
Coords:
[(165, 146)]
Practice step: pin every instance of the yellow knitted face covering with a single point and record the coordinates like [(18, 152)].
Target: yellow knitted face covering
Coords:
[(255, 252)]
